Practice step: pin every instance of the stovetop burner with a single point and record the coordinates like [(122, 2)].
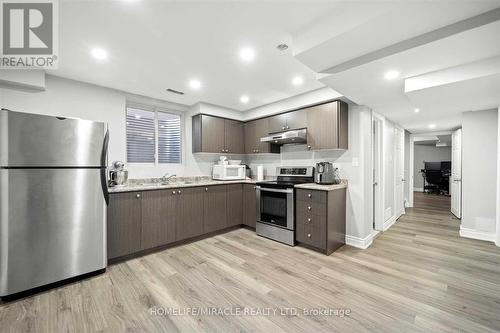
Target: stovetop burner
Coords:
[(290, 176)]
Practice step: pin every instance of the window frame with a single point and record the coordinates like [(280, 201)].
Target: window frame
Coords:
[(156, 110)]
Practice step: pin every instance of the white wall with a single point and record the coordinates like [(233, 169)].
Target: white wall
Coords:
[(427, 153), (407, 167), (497, 242), (354, 165), (479, 172)]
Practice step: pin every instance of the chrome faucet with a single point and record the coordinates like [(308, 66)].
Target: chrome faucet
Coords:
[(166, 177)]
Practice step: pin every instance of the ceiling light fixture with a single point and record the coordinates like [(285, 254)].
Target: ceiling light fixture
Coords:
[(247, 54), (99, 54), (282, 47), (195, 84), (417, 110), (297, 81), (244, 99), (391, 75), (431, 126)]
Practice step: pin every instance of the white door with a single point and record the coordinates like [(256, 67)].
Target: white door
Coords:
[(399, 144), (456, 173)]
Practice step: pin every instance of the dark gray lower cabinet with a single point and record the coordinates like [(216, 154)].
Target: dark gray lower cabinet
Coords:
[(145, 220), (214, 212), (250, 205), (189, 222), (321, 219), (124, 224), (159, 213), (234, 207)]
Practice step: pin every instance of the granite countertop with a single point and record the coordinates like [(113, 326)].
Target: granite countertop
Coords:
[(180, 182), (319, 187)]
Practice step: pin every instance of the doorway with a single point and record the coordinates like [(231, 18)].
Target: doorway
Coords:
[(434, 159)]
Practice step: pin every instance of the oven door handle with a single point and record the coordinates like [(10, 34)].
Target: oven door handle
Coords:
[(274, 190)]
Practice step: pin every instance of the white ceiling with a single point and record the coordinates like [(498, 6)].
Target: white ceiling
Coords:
[(450, 55), (154, 45)]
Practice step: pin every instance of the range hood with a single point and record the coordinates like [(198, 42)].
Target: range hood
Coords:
[(294, 136)]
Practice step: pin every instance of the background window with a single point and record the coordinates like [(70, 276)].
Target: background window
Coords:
[(153, 136), (140, 136), (169, 138)]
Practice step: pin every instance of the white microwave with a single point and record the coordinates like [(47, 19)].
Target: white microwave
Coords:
[(228, 172)]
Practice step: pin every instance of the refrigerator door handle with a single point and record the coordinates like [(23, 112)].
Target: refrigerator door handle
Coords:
[(104, 154)]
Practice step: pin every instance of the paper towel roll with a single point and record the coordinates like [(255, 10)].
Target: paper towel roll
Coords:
[(260, 173)]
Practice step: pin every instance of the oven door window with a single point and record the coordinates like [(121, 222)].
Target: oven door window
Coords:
[(273, 208)]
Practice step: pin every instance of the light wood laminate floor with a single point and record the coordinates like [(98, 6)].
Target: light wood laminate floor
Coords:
[(417, 277)]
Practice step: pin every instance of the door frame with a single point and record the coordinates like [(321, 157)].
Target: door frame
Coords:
[(398, 214), (413, 138), (378, 166)]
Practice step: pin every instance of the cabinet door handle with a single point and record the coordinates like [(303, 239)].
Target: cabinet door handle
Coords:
[(283, 127), (309, 208), (309, 147), (309, 219), (138, 195), (287, 127), (309, 195), (179, 192), (308, 235), (206, 189), (173, 192)]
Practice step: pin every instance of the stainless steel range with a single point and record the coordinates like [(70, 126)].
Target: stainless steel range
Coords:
[(275, 203)]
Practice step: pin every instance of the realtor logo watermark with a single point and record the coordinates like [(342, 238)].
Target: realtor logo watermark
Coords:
[(29, 34)]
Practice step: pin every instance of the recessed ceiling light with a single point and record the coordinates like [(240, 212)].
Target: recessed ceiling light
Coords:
[(297, 81), (247, 54), (244, 99), (432, 126), (417, 110), (282, 47), (99, 54), (391, 75), (195, 84)]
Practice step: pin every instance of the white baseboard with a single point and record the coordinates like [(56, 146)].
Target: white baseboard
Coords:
[(389, 223), (418, 189), (474, 234), (361, 243)]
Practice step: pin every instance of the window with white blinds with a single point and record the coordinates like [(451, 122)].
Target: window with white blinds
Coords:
[(140, 136), (153, 136), (169, 138)]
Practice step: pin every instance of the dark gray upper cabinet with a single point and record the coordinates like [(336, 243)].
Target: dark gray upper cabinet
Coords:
[(327, 126), (217, 135), (124, 224), (254, 131), (234, 136), (287, 121)]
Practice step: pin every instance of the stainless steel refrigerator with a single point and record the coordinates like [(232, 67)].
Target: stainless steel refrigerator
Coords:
[(53, 196)]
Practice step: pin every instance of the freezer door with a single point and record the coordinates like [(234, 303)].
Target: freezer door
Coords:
[(52, 226), (31, 140)]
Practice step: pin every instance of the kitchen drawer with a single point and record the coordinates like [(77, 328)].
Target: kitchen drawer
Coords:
[(311, 195), (307, 208), (317, 221), (311, 235)]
